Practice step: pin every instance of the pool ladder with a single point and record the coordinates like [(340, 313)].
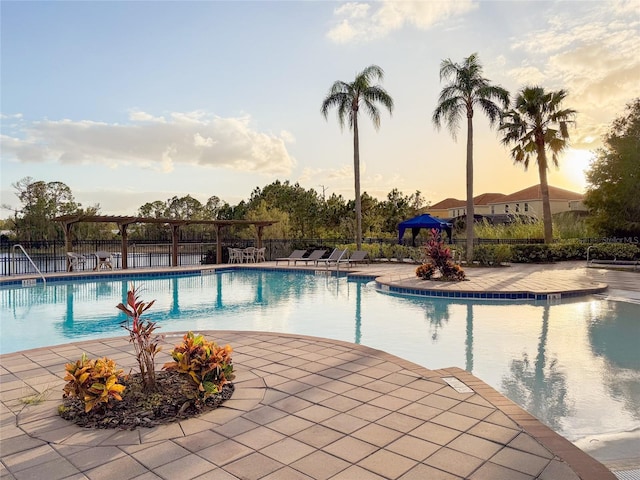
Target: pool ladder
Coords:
[(18, 246)]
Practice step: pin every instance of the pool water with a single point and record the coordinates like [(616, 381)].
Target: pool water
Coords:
[(574, 364)]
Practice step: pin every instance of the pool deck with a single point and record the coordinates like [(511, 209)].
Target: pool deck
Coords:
[(311, 408)]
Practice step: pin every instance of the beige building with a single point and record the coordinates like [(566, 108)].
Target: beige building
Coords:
[(524, 202)]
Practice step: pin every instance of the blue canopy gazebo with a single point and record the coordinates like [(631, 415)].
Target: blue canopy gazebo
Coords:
[(423, 221)]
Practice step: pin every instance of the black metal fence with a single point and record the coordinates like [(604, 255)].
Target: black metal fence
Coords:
[(50, 256)]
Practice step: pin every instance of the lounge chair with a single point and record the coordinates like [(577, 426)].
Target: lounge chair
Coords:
[(313, 257), (295, 255), (74, 260), (359, 256), (335, 257)]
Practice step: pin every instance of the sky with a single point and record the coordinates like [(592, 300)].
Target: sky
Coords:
[(131, 102)]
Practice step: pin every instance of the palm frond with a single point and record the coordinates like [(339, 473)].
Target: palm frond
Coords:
[(450, 111)]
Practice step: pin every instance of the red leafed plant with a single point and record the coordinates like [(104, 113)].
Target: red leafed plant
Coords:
[(142, 337), (441, 260)]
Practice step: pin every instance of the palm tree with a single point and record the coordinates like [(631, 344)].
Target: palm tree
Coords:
[(535, 123), (347, 98), (467, 89)]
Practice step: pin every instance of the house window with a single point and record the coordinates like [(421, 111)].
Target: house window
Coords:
[(493, 209), (506, 208), (517, 207), (526, 207)]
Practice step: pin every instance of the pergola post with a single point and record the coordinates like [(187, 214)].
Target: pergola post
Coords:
[(67, 242), (218, 243), (122, 227), (174, 244), (67, 236), (260, 228)]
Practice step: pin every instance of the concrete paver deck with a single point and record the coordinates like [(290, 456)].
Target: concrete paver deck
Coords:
[(304, 408)]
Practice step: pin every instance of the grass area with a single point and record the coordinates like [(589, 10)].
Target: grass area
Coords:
[(566, 225)]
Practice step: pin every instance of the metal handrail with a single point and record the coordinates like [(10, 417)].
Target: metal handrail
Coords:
[(44, 280)]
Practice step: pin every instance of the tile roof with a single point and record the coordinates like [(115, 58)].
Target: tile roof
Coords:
[(535, 193), (487, 198), (528, 194), (448, 203)]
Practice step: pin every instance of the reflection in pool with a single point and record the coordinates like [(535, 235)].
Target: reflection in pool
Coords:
[(574, 364)]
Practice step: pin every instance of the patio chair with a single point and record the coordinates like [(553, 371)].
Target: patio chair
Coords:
[(295, 255), (335, 257), (74, 260), (103, 260), (249, 255), (315, 255), (260, 254), (235, 255)]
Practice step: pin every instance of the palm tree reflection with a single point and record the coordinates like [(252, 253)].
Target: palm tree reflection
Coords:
[(539, 388), (437, 312), (358, 312), (468, 342)]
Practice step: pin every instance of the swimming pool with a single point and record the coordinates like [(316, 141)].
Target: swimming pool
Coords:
[(574, 364)]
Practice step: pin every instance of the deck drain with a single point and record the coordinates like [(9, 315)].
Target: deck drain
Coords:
[(627, 474), (457, 385)]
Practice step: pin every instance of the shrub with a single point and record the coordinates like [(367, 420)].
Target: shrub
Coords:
[(141, 335), (372, 249), (208, 365), (492, 254), (94, 382), (451, 271), (426, 271), (531, 253), (569, 250), (614, 251), (387, 251), (400, 252)]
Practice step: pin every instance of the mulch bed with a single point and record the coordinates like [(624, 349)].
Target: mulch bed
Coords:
[(176, 399)]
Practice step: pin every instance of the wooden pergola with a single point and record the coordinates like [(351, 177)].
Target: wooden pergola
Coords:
[(123, 223)]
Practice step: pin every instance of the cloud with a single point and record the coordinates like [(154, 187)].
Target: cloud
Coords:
[(593, 55), (356, 21), (138, 116), (340, 181), (526, 74), (193, 138)]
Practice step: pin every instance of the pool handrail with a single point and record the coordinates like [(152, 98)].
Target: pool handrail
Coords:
[(17, 245)]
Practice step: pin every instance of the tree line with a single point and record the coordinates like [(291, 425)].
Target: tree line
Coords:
[(301, 214)]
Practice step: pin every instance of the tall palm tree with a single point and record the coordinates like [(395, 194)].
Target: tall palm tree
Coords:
[(347, 98), (467, 89), (535, 123)]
